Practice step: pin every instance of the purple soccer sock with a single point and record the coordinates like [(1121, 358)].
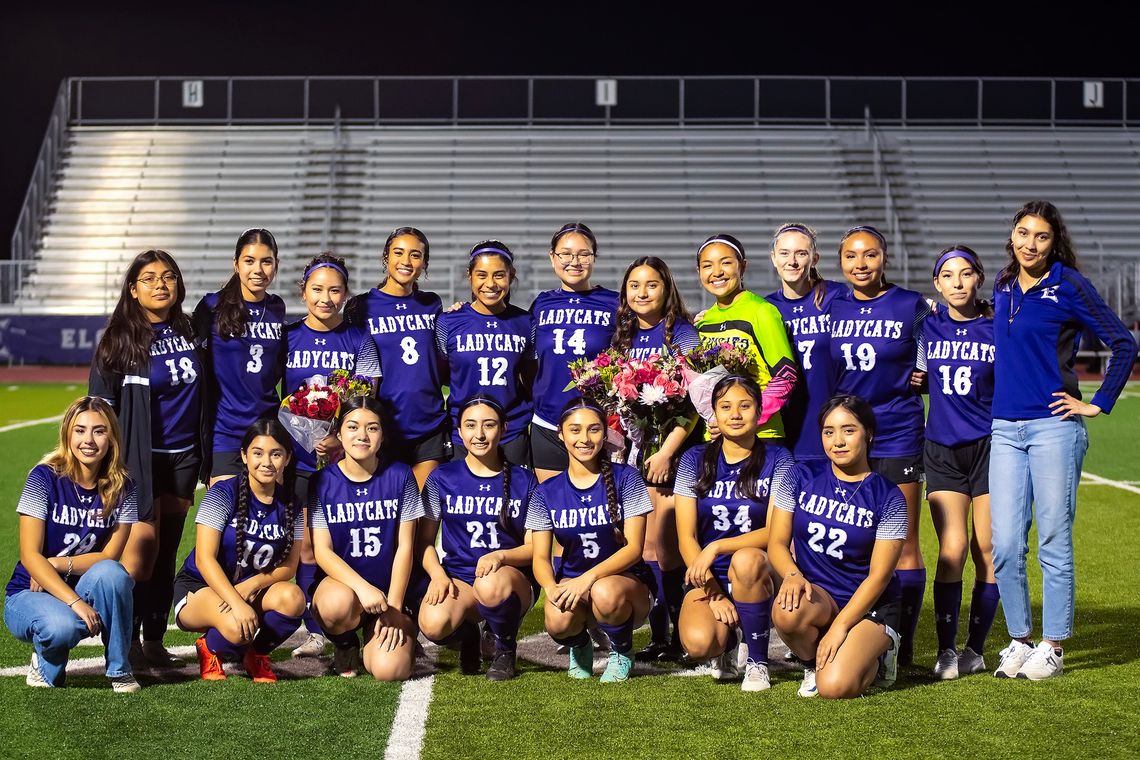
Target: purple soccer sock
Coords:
[(983, 608), (659, 615), (225, 649), (755, 622), (913, 584), (621, 635), (306, 574), (947, 602), (275, 628), (503, 621), (673, 582)]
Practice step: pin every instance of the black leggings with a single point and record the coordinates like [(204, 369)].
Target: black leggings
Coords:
[(153, 597)]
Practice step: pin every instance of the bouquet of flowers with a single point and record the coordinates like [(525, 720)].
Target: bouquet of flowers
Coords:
[(647, 397), (704, 366), (308, 413)]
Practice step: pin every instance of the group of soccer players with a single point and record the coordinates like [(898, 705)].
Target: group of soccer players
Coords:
[(795, 504)]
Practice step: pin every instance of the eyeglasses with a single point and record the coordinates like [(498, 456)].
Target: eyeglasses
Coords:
[(152, 280), (565, 257)]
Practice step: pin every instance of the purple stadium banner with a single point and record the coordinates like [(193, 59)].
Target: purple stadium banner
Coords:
[(26, 339)]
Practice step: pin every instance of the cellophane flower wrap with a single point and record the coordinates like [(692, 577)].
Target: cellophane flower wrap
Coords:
[(647, 397), (310, 411), (703, 368)]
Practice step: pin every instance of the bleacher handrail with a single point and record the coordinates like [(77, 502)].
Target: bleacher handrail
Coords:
[(41, 187)]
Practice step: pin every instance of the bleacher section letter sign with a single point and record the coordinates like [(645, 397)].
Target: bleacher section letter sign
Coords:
[(193, 94), (1094, 95)]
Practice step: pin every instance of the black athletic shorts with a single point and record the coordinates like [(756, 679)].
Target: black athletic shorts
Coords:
[(305, 486), (962, 469), (435, 445), (887, 610), (516, 451), (226, 464), (899, 470), (547, 451), (184, 585), (176, 474)]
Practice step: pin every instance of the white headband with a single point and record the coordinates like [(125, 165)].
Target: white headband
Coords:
[(722, 241)]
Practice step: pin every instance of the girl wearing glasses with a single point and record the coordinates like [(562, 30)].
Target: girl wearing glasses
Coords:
[(573, 321), (146, 367)]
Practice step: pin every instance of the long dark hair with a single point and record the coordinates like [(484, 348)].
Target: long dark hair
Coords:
[(674, 308), (493, 248), (271, 427), (485, 400), (882, 240), (125, 345), (1062, 249), (753, 463), (578, 227), (859, 409), (230, 315), (400, 232), (607, 470), (815, 281)]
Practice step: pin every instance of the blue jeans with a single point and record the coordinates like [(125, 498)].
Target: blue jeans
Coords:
[(53, 629), (1036, 464)]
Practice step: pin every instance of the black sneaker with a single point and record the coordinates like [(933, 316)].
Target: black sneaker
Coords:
[(470, 656), (671, 653), (346, 661), (652, 652), (502, 667)]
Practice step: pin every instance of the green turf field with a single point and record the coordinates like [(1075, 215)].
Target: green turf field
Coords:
[(1093, 711)]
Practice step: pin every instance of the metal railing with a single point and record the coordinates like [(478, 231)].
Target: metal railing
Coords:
[(41, 187), (678, 101)]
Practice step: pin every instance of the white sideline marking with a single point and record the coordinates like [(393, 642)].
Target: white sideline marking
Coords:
[(1097, 480), (30, 423), (406, 740)]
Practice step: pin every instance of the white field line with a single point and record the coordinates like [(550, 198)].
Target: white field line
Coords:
[(406, 739), (30, 423), (1089, 478)]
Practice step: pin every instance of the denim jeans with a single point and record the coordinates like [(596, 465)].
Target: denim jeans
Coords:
[(53, 629), (1035, 466)]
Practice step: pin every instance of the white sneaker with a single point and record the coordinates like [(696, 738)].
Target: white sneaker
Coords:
[(756, 677), (1012, 658), (889, 663), (125, 684), (724, 666), (314, 646), (970, 662), (35, 678), (1043, 662), (807, 686), (946, 668)]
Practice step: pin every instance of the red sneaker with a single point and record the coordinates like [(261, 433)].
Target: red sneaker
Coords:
[(258, 667), (208, 662)]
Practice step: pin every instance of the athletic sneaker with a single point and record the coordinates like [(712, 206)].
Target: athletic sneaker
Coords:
[(208, 663), (314, 646), (135, 656), (807, 686), (36, 678), (1043, 662), (970, 662), (1012, 658), (617, 669), (653, 652), (502, 667), (946, 668), (157, 655), (258, 667), (486, 642), (724, 666), (755, 677), (889, 661), (582, 661), (470, 656), (125, 684), (346, 661)]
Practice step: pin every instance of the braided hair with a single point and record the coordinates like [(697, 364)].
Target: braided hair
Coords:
[(617, 521), (482, 399), (673, 307), (275, 430), (753, 463)]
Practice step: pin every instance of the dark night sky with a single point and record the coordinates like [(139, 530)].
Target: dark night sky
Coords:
[(41, 43)]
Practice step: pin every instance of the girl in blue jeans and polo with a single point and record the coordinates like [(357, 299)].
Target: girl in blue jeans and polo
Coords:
[(1041, 306)]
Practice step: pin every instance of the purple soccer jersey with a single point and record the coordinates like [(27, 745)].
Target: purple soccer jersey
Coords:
[(960, 362), (175, 391), (484, 355), (403, 328), (809, 330), (875, 346), (363, 517), (314, 352), (568, 326), (73, 518), (578, 517), (724, 512), (264, 541), (646, 343), (835, 524), (468, 506), (247, 368)]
